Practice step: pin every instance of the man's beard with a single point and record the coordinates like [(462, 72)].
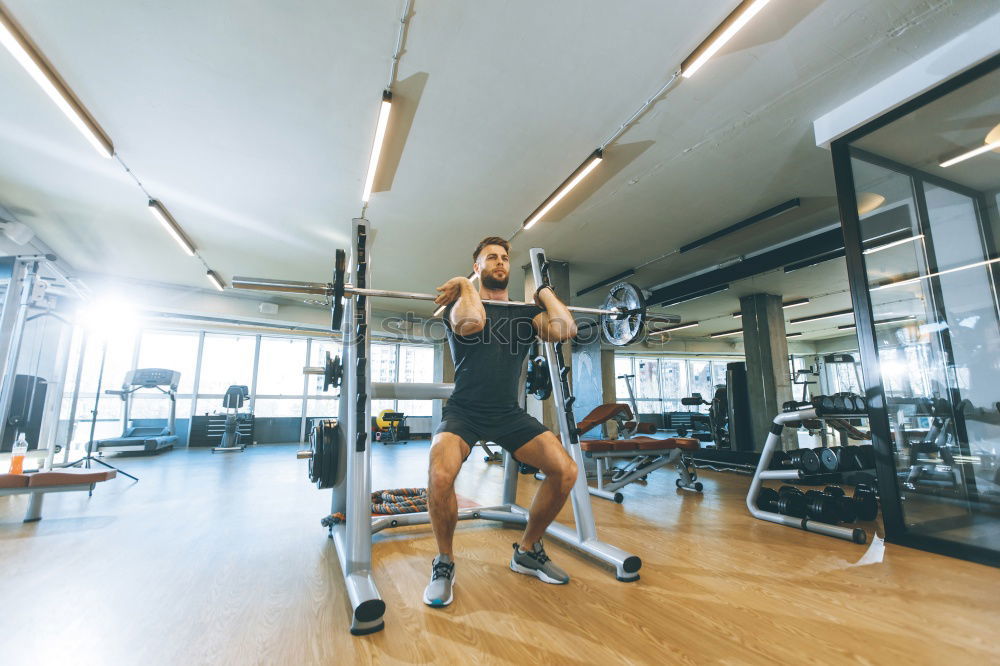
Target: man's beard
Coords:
[(490, 282)]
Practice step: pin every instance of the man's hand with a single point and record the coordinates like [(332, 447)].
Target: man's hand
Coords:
[(451, 290)]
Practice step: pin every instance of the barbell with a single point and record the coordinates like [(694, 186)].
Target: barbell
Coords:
[(623, 313)]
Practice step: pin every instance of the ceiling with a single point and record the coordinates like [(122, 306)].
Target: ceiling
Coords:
[(253, 123)]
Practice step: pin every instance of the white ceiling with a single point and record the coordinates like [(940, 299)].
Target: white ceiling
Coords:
[(252, 122)]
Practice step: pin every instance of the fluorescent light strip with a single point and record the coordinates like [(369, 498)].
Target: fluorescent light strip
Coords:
[(879, 248), (383, 122), (168, 222), (792, 335), (930, 275), (695, 295), (723, 334), (581, 172), (678, 328), (49, 81), (722, 34), (972, 153), (828, 315), (847, 327), (216, 281), (893, 320), (784, 306)]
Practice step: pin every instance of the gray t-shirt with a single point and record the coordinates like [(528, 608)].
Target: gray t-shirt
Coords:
[(488, 364)]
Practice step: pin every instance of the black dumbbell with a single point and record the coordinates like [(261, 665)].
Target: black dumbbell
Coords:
[(864, 456), (829, 461), (865, 502), (822, 507), (805, 460), (840, 404), (788, 504), (845, 509), (823, 404)]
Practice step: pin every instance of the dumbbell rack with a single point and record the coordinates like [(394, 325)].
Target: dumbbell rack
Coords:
[(764, 473)]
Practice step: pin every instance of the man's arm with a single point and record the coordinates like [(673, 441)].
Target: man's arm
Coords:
[(467, 315), (555, 323)]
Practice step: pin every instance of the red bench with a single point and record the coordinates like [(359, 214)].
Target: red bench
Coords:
[(37, 484)]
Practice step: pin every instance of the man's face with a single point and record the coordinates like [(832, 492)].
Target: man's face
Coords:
[(493, 266)]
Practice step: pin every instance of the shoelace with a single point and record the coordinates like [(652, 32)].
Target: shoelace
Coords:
[(538, 554), (442, 570)]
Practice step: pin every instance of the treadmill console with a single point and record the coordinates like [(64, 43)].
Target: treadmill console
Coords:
[(153, 377)]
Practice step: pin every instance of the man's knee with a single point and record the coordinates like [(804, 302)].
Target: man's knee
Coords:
[(447, 455), (567, 474)]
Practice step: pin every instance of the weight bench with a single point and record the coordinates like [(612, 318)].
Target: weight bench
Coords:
[(647, 454), (54, 481)]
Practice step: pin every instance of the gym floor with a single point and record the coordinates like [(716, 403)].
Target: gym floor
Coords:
[(220, 559)]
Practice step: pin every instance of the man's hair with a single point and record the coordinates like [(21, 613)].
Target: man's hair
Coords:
[(490, 240)]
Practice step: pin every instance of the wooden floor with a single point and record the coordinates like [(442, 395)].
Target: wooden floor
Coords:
[(221, 560)]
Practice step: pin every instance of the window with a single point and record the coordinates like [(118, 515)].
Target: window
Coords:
[(660, 383), (647, 385), (226, 360), (701, 379), (173, 351), (675, 385), (279, 370)]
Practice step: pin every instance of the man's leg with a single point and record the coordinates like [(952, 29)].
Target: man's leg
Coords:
[(448, 452), (547, 454)]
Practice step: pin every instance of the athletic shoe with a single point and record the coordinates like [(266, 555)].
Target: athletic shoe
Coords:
[(438, 592), (535, 562)]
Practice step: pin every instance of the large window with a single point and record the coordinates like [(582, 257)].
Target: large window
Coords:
[(225, 360), (659, 383), (282, 391)]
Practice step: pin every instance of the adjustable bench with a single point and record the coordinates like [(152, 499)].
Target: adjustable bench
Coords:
[(53, 481), (647, 454)]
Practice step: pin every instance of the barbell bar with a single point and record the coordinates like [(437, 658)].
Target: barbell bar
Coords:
[(623, 315), (326, 289)]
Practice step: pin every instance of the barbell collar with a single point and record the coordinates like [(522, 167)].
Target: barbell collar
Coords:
[(313, 370)]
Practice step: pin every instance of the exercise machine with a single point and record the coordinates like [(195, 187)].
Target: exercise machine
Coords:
[(340, 455), (235, 428), (144, 439)]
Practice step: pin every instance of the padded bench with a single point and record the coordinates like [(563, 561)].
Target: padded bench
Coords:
[(52, 481), (647, 454)]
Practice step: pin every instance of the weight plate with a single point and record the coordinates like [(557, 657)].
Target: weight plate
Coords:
[(625, 328), (333, 372)]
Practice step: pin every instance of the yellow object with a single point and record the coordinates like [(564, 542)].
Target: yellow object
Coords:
[(380, 419)]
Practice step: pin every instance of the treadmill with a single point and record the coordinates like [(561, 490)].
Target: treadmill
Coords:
[(144, 439)]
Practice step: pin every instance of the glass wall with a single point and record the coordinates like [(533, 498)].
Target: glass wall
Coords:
[(659, 383), (926, 185)]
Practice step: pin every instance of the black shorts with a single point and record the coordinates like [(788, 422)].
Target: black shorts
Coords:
[(510, 430)]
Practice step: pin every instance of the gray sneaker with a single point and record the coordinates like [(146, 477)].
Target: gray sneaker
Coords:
[(535, 562), (438, 592)]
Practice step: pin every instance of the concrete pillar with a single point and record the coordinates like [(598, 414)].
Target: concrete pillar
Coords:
[(768, 380), (559, 276)]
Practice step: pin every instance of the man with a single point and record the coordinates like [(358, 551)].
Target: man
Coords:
[(489, 344)]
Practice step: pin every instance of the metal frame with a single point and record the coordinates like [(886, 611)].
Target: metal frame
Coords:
[(763, 473), (896, 530), (351, 494)]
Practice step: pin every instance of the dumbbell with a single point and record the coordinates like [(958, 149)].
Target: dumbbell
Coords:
[(788, 504), (865, 502), (804, 460), (831, 506)]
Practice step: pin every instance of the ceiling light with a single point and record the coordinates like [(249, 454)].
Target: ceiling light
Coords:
[(723, 334), (677, 328), (847, 327), (828, 315), (693, 295), (785, 306), (930, 275), (36, 66), (994, 136), (722, 34), (869, 201), (170, 224), (972, 153), (574, 179), (383, 122), (879, 248), (216, 281), (792, 335)]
